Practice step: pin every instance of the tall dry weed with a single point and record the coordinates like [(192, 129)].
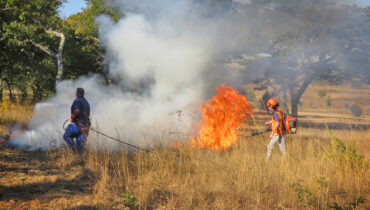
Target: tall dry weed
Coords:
[(239, 178)]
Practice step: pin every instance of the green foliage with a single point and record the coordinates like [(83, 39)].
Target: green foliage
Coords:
[(313, 198), (24, 65), (129, 200), (356, 110), (25, 60), (305, 196), (353, 205), (346, 155), (83, 23), (322, 93)]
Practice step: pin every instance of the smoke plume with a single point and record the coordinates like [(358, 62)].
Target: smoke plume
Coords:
[(166, 57)]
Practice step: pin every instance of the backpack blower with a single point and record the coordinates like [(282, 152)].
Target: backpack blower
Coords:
[(290, 124)]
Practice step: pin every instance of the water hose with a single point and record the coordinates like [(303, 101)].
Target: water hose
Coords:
[(116, 139)]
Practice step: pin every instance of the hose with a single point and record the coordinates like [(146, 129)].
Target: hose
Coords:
[(116, 139)]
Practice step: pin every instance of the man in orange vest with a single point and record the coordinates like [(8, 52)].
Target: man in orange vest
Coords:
[(277, 123)]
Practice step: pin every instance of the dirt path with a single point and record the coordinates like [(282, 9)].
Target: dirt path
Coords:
[(37, 180)]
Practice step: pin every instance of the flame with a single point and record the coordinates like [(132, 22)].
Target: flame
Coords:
[(221, 117)]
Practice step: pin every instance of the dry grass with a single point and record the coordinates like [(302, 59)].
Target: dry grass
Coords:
[(319, 173), (241, 177), (11, 114), (190, 178)]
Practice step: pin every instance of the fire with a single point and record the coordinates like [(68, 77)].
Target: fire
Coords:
[(221, 117)]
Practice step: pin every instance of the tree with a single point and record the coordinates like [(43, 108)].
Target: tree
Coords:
[(309, 40), (84, 52), (38, 48), (28, 41)]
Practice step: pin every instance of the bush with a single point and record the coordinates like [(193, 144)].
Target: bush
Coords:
[(328, 101), (356, 110), (129, 200), (322, 93), (344, 154)]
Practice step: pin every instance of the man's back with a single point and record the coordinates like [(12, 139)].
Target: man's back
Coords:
[(83, 105)]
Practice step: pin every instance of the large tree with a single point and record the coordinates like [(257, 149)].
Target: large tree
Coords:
[(38, 48), (84, 45), (309, 40), (31, 44)]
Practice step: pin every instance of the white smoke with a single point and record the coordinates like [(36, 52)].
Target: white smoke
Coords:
[(166, 57), (157, 62)]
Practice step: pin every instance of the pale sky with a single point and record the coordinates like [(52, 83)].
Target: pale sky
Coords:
[(72, 7), (363, 2)]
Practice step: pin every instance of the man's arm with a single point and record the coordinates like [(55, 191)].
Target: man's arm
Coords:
[(268, 122), (76, 109), (75, 113), (274, 129)]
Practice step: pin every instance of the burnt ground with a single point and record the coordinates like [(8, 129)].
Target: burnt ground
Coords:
[(34, 180)]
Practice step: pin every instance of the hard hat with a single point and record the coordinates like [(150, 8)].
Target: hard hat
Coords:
[(272, 102)]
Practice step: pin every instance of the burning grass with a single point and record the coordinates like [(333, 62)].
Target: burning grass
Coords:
[(222, 116)]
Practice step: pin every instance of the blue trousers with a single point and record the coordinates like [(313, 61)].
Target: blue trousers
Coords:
[(74, 132)]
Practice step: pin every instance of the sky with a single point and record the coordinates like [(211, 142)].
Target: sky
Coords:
[(72, 7), (364, 2)]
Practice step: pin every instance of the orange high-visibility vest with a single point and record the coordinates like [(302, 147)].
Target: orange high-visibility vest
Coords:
[(280, 130)]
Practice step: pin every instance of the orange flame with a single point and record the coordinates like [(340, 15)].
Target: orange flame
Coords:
[(221, 117)]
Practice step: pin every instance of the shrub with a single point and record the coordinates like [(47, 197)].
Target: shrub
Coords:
[(346, 154), (322, 93), (328, 101), (130, 200), (305, 196), (4, 105), (356, 110)]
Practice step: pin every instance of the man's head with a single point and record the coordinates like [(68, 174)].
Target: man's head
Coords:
[(272, 104), (80, 92)]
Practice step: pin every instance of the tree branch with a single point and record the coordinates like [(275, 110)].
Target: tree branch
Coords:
[(41, 47), (58, 55), (60, 51), (89, 38), (9, 8)]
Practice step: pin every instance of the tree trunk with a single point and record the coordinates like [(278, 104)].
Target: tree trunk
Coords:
[(58, 55), (23, 95), (1, 90), (294, 110), (37, 93), (1, 93), (295, 96), (11, 96), (284, 102)]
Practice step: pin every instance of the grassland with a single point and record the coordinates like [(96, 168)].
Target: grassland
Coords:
[(324, 169)]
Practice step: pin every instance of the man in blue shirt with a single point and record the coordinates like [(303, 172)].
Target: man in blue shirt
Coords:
[(80, 122)]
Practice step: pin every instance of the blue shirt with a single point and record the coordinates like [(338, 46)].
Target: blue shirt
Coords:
[(276, 116), (83, 105)]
